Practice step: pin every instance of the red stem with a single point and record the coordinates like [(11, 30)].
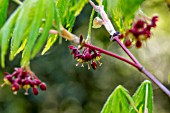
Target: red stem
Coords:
[(156, 81), (134, 64), (111, 54), (143, 70), (127, 51)]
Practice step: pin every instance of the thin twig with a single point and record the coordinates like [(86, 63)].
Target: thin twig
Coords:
[(127, 51), (88, 39), (111, 54), (156, 81)]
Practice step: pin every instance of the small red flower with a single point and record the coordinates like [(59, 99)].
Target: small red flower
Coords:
[(138, 44), (93, 65), (15, 86), (140, 31), (128, 43), (86, 56), (35, 90)]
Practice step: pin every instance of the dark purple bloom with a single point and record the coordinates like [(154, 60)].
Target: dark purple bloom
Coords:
[(87, 55), (21, 78)]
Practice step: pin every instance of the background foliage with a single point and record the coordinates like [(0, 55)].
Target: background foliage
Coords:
[(73, 89)]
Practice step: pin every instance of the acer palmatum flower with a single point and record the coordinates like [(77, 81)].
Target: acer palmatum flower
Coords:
[(23, 79)]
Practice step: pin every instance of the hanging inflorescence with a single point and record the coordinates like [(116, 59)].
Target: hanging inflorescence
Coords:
[(88, 56), (140, 31), (22, 79)]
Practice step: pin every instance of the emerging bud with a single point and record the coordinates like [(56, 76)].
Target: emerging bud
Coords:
[(138, 44), (15, 86), (128, 43), (93, 65), (35, 90), (43, 86), (97, 22), (139, 25), (8, 79)]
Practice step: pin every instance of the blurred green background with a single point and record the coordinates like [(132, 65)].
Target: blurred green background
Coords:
[(72, 89)]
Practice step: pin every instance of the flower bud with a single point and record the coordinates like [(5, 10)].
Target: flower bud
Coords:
[(93, 65), (97, 22), (43, 86), (138, 44), (128, 43), (35, 90), (15, 86)]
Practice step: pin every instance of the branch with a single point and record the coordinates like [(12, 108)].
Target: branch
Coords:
[(127, 51), (109, 27), (69, 36), (156, 81), (111, 54)]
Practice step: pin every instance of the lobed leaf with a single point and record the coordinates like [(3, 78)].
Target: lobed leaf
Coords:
[(143, 98), (118, 101)]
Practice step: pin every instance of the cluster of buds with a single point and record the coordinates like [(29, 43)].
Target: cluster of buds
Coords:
[(87, 56), (22, 79), (140, 31)]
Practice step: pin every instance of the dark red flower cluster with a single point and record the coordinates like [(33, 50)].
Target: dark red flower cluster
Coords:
[(88, 55), (140, 31), (21, 79)]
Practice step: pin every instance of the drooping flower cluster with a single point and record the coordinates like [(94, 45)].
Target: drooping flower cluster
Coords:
[(87, 56), (22, 79), (140, 31)]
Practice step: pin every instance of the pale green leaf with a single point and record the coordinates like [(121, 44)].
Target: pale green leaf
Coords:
[(98, 1), (51, 40), (34, 31), (79, 6), (21, 48), (3, 11), (48, 24), (122, 12), (143, 98), (6, 32), (23, 22), (118, 101), (58, 23), (62, 9)]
